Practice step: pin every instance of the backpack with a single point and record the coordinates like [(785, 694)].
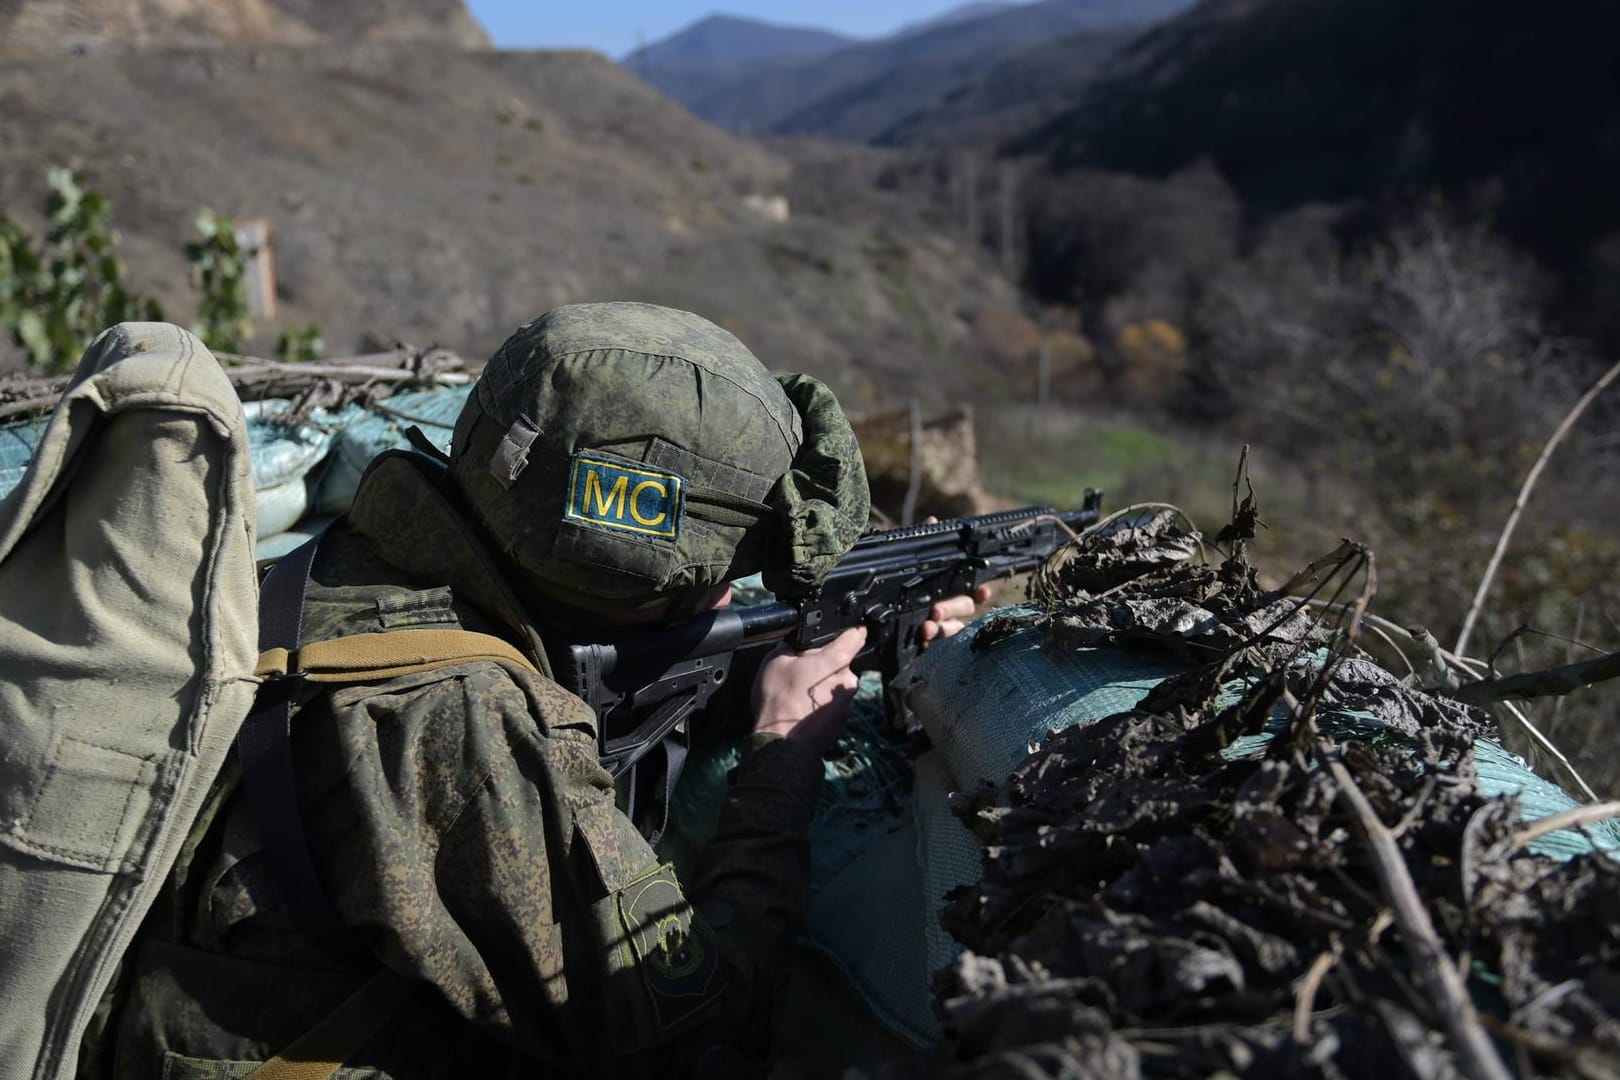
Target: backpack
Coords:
[(128, 639), (130, 664)]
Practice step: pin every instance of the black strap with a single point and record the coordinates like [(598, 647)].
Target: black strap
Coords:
[(651, 784), (264, 747), (725, 507)]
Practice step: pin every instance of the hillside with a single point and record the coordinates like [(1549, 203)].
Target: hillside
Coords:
[(1301, 101), (720, 50), (52, 27), (1016, 95), (445, 195), (861, 91)]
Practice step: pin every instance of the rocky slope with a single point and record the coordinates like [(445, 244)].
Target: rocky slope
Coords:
[(51, 27), (433, 194)]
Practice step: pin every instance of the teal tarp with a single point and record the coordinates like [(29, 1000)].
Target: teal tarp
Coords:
[(303, 471)]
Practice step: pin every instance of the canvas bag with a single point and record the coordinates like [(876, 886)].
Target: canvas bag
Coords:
[(128, 638)]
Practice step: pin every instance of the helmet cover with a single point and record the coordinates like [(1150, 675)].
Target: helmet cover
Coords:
[(624, 454)]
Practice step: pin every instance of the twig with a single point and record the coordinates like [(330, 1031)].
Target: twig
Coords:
[(1548, 745), (1430, 652), (1545, 683), (1524, 496), (1334, 559), (263, 369), (1517, 637), (1411, 816), (250, 371), (1578, 818), (1390, 641), (1445, 985), (1305, 1000)]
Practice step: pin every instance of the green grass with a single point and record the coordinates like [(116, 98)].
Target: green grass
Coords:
[(1052, 457)]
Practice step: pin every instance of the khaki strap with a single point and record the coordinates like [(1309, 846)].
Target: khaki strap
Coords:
[(360, 657), (321, 1051)]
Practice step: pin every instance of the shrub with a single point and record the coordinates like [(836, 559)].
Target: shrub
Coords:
[(219, 274), (57, 295)]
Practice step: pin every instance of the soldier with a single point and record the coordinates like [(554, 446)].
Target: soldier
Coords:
[(615, 463)]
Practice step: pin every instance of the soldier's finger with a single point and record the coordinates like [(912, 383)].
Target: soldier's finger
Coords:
[(842, 650), (956, 607)]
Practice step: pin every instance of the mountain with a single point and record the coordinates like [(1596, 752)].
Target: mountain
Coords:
[(722, 49), (861, 91), (1015, 95), (963, 13), (1512, 117), (430, 194), (33, 27)]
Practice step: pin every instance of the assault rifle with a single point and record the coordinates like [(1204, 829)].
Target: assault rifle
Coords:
[(647, 683)]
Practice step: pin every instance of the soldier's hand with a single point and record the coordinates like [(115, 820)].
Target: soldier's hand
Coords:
[(949, 616), (808, 696)]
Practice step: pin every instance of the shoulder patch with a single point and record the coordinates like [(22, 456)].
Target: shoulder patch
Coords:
[(675, 952), (625, 498)]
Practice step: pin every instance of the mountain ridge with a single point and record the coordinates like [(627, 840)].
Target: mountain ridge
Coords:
[(719, 50), (860, 91)]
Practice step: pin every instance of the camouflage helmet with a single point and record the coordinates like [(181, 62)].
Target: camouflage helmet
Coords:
[(624, 455)]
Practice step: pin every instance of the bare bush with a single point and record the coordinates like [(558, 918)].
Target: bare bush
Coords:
[(1418, 365)]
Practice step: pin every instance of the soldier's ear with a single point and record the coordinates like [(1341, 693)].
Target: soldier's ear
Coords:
[(823, 502)]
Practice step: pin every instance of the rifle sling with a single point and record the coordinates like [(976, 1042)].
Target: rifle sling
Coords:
[(265, 750), (362, 657), (320, 1052)]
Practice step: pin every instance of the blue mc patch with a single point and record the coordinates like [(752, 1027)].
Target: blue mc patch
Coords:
[(626, 498)]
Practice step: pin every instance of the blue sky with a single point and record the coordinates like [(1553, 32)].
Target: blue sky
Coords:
[(613, 26)]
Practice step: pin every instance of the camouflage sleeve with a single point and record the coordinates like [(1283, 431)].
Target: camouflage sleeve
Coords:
[(753, 883), (500, 871)]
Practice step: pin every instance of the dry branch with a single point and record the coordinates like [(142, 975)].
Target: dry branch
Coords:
[(1524, 497), (1468, 1037), (1438, 670), (1546, 683), (256, 377), (1569, 819)]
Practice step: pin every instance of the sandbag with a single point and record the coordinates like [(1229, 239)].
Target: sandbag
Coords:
[(364, 435), (983, 710), (287, 456), (17, 442), (128, 636)]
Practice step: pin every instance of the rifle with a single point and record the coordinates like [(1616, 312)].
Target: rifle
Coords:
[(647, 683)]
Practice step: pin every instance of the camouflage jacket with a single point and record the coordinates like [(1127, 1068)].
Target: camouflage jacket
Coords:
[(463, 828)]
